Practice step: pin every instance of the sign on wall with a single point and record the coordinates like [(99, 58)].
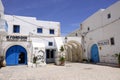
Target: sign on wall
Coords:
[(103, 42), (16, 38)]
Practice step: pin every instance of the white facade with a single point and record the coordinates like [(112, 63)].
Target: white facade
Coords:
[(34, 37), (1, 10), (3, 26), (103, 29), (75, 33)]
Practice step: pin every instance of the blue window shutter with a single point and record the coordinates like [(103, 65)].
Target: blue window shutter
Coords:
[(50, 43), (39, 30), (16, 28), (52, 31)]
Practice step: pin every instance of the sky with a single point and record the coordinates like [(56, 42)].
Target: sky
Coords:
[(70, 13)]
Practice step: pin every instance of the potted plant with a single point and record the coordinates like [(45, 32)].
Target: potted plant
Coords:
[(118, 58), (62, 58), (62, 61), (2, 61), (35, 61)]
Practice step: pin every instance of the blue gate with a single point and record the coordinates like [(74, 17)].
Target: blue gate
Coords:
[(13, 55), (94, 54)]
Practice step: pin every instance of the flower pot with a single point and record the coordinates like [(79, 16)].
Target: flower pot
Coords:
[(119, 65), (62, 63), (4, 63)]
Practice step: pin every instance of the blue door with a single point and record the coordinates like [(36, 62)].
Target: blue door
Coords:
[(16, 55), (94, 54)]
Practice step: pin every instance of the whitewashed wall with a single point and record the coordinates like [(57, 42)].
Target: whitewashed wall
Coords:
[(1, 10), (101, 28), (29, 25)]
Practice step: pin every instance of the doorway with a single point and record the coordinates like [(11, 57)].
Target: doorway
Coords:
[(21, 58), (15, 55), (50, 55), (94, 53)]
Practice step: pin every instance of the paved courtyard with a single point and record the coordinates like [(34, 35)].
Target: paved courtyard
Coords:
[(71, 71)]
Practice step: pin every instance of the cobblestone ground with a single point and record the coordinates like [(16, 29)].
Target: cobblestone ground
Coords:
[(71, 71)]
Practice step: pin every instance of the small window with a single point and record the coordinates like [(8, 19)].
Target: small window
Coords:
[(112, 41), (39, 30), (50, 43), (16, 28), (76, 34), (88, 28), (52, 31), (109, 16)]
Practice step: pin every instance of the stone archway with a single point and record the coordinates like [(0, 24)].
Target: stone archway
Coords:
[(74, 51)]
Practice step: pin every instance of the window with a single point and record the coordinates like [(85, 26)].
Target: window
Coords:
[(39, 30), (76, 34), (47, 53), (112, 41), (52, 31), (88, 28), (52, 54), (16, 28), (109, 16), (50, 43)]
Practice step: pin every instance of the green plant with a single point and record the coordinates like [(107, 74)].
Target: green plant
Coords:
[(62, 49), (62, 59), (118, 57)]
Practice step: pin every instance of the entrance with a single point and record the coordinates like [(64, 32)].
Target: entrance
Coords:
[(50, 55), (94, 54), (21, 59), (16, 55)]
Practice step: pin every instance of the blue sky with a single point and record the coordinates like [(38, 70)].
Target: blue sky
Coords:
[(70, 13)]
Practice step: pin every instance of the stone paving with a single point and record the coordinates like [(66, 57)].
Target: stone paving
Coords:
[(71, 71)]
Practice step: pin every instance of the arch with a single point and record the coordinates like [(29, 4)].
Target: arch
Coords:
[(16, 54), (94, 53), (75, 51)]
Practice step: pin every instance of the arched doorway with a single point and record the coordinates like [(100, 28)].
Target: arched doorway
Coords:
[(74, 52), (16, 55), (94, 53)]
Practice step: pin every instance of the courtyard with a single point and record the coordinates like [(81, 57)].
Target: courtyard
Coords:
[(71, 71)]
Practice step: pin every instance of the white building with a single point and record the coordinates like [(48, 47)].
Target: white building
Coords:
[(3, 25), (101, 34), (75, 33), (28, 37)]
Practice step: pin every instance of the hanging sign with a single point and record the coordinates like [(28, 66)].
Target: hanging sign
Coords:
[(16, 38)]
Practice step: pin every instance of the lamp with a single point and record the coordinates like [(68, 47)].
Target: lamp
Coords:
[(66, 39)]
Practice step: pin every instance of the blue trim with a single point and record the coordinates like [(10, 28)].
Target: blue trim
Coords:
[(12, 55), (39, 30), (16, 28), (50, 43), (94, 54), (52, 31)]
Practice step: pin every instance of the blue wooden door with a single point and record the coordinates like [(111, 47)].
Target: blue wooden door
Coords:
[(12, 55), (94, 54)]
